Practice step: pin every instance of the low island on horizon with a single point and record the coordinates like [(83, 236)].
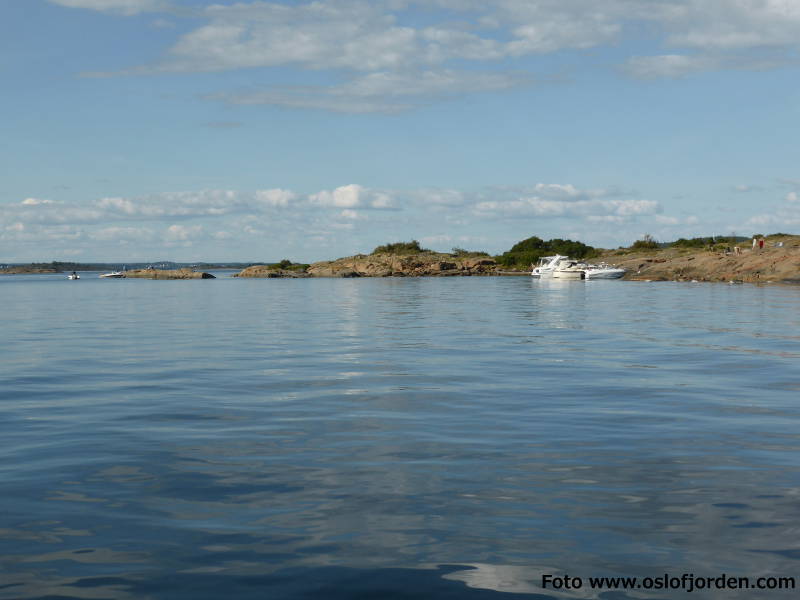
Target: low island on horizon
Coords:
[(767, 259)]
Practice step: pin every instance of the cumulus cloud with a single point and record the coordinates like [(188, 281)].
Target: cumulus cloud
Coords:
[(182, 233), (382, 59), (275, 197), (352, 215), (733, 24), (373, 37), (124, 7), (552, 201), (442, 197), (122, 234), (41, 234), (352, 196), (668, 65), (175, 204), (381, 91), (783, 215), (213, 222), (35, 202)]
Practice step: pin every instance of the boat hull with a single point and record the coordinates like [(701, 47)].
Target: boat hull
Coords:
[(605, 274), (569, 274)]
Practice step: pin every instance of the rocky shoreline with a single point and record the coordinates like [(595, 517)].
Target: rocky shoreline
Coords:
[(424, 264), (167, 274), (777, 262), (25, 270)]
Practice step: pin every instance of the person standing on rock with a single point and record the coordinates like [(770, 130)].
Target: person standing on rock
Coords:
[(761, 244), (755, 241)]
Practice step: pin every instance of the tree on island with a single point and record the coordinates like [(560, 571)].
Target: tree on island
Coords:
[(647, 242), (530, 250), (411, 247)]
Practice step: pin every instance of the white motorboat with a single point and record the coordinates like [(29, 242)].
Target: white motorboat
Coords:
[(113, 275), (549, 265), (73, 276), (569, 269), (546, 266), (603, 271)]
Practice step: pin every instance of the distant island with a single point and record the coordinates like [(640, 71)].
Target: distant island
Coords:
[(717, 258)]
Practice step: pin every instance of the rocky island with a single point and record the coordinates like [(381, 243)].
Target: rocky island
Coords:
[(700, 259), (402, 259), (777, 262), (27, 270), (167, 274)]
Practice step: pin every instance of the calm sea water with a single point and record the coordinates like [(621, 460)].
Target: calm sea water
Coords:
[(394, 438)]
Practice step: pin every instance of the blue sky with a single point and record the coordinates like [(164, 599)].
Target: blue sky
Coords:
[(193, 130)]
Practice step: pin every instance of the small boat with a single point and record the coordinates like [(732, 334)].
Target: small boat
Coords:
[(603, 271), (549, 265), (546, 266), (73, 276), (115, 274), (569, 269)]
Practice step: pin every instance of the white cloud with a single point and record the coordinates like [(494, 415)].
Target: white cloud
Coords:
[(40, 234), (549, 200), (275, 197), (35, 202), (182, 233), (352, 196), (175, 204), (668, 65), (672, 221), (388, 60), (368, 36), (318, 35), (441, 197), (352, 215), (345, 196), (124, 7), (381, 91), (122, 234), (733, 24), (786, 214)]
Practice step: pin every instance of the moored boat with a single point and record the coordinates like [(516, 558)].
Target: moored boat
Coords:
[(569, 269), (547, 264), (550, 265), (603, 271)]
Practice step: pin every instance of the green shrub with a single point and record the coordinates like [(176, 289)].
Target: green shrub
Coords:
[(288, 265), (646, 243), (530, 250), (411, 247), (708, 242), (461, 253)]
